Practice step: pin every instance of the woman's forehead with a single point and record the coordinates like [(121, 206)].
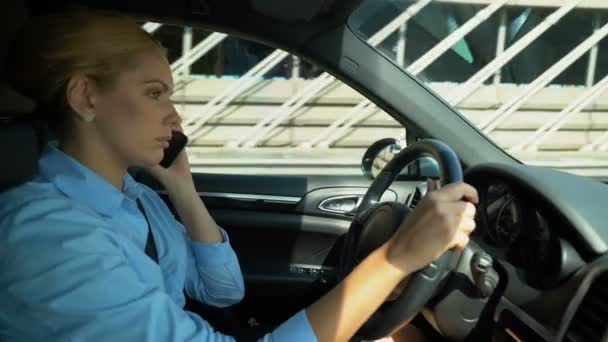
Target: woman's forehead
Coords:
[(152, 66)]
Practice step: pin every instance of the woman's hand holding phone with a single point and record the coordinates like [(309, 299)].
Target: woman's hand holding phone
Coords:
[(173, 172), (177, 143)]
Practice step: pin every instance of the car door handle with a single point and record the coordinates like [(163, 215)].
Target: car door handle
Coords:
[(340, 204)]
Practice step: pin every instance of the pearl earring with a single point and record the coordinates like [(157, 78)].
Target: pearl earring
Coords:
[(88, 117)]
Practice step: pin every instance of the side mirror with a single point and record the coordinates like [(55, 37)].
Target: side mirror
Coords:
[(382, 151), (378, 155), (428, 168)]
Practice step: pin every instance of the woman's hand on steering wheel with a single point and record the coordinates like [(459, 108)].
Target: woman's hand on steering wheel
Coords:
[(442, 220)]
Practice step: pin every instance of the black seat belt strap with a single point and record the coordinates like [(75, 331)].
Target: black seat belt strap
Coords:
[(150, 244)]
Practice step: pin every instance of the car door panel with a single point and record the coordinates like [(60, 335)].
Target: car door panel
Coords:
[(288, 246)]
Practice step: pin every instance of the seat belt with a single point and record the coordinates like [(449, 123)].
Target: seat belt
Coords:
[(150, 244)]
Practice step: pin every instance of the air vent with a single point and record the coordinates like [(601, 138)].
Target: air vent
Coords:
[(590, 322), (417, 195)]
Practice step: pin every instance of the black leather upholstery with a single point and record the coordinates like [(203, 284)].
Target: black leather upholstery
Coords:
[(19, 144), (19, 139)]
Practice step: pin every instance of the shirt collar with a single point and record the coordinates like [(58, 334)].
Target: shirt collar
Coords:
[(82, 184)]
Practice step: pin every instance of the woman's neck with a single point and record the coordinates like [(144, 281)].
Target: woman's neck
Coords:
[(97, 157)]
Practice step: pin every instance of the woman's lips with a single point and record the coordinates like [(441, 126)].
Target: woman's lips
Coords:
[(164, 141)]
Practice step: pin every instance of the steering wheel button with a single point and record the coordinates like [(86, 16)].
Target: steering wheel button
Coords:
[(430, 271)]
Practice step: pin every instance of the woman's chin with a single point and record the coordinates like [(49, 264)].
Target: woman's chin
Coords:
[(151, 160)]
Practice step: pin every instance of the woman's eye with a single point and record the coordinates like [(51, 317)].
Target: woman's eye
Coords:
[(155, 94)]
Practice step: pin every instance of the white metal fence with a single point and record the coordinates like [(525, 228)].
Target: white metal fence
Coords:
[(260, 131)]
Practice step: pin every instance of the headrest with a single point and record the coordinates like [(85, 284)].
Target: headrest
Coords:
[(19, 139), (13, 104), (19, 142)]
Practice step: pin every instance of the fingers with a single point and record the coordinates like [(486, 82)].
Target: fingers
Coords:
[(465, 213), (467, 225), (460, 241), (456, 192), (469, 210), (465, 228), (461, 215), (457, 210), (467, 218)]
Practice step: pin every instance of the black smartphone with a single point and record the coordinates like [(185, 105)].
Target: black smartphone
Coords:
[(176, 145)]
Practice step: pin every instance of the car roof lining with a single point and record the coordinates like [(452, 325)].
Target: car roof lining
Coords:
[(290, 11), (272, 22)]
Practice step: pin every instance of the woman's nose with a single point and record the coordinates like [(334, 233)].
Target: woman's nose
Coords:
[(173, 119)]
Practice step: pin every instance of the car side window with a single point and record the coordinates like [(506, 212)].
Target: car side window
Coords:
[(252, 109)]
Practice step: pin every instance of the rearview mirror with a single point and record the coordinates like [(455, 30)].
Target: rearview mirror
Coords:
[(384, 150)]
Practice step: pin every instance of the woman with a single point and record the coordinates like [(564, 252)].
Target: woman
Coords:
[(74, 260)]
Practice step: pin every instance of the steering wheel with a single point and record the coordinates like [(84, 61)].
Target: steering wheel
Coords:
[(374, 223)]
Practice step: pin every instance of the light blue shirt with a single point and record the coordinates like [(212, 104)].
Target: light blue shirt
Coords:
[(73, 266)]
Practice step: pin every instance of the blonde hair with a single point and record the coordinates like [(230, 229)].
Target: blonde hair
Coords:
[(51, 49)]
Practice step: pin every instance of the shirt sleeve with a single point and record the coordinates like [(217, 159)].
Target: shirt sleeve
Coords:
[(296, 329), (72, 282), (213, 275)]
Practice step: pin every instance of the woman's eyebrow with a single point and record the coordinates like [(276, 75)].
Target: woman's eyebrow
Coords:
[(165, 86)]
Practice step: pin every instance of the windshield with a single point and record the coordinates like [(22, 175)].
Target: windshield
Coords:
[(529, 76)]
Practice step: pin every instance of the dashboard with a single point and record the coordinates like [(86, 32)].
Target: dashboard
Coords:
[(545, 231), (513, 229)]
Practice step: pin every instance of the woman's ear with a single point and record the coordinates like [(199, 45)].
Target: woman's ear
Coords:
[(79, 95)]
